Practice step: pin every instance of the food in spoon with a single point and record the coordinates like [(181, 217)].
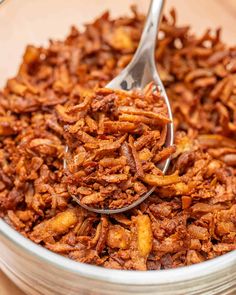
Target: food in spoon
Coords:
[(116, 140), (182, 223)]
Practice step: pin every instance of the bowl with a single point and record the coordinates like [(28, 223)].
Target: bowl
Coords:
[(35, 269)]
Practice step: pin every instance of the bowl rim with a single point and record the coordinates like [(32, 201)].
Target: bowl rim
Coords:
[(124, 277)]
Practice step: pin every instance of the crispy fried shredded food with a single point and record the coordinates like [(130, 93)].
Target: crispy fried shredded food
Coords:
[(107, 168), (191, 217)]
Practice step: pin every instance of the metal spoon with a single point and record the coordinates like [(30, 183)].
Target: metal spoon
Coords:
[(139, 72)]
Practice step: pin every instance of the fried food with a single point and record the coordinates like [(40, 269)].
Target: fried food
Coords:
[(188, 220)]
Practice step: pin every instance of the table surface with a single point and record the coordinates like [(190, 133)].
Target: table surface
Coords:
[(211, 13)]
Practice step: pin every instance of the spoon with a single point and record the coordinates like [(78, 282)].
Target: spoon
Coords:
[(139, 72)]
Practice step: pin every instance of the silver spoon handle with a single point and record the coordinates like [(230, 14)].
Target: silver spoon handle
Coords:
[(148, 39)]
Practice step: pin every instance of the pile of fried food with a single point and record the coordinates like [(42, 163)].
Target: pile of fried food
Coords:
[(186, 222), (115, 140)]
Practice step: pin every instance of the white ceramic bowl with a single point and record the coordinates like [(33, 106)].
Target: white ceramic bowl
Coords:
[(39, 271)]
